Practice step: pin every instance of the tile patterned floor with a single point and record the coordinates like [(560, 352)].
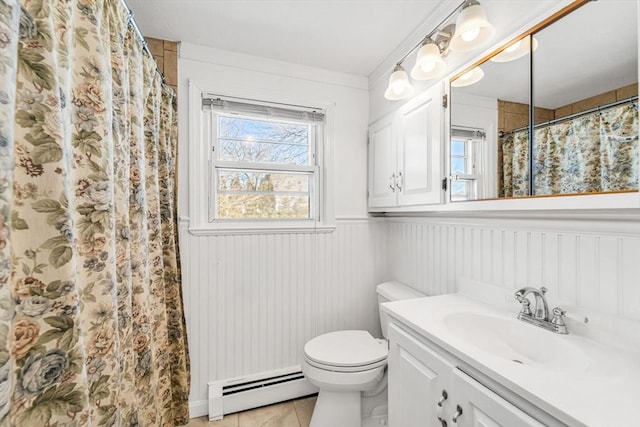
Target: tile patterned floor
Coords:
[(295, 413)]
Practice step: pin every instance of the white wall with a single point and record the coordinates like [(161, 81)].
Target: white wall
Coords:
[(252, 301), (592, 265), (227, 73)]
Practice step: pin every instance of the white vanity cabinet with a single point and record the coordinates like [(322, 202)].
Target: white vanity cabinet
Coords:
[(405, 154), (418, 379), (427, 389)]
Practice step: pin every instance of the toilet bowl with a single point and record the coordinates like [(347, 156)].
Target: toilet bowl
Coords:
[(349, 369)]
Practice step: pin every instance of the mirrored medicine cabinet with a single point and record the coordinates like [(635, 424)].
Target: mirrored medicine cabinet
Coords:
[(553, 112)]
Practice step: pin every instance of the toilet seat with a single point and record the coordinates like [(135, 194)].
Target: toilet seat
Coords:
[(345, 369), (346, 351)]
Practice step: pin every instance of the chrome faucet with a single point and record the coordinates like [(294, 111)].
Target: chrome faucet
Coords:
[(540, 314)]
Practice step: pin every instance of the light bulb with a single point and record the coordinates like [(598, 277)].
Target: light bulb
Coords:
[(517, 50), (398, 85), (514, 46), (472, 28), (471, 34), (429, 63), (470, 77), (397, 88), (467, 75), (429, 66)]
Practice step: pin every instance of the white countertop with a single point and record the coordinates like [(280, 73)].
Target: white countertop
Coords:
[(600, 390)]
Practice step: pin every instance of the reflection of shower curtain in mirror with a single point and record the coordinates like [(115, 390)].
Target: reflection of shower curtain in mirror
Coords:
[(592, 153)]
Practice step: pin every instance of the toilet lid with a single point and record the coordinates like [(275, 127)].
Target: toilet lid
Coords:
[(346, 348)]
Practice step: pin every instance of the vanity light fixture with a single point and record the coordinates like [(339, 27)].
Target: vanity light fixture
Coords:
[(516, 50), (472, 28), (470, 77), (399, 86)]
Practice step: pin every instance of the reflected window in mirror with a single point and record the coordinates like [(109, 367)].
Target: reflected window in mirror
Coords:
[(466, 166), (497, 105)]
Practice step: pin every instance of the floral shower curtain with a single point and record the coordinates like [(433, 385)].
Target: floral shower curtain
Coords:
[(594, 153), (515, 165), (91, 320)]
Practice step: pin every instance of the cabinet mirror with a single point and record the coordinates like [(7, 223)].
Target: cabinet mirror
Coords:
[(580, 73)]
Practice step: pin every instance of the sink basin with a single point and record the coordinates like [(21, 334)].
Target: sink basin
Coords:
[(518, 342)]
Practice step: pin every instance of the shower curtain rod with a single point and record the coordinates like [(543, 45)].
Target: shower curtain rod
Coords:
[(571, 116), (136, 30)]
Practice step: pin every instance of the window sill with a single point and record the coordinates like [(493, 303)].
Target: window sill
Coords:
[(227, 229)]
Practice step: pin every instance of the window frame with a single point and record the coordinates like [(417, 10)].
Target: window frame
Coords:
[(473, 156), (202, 170), (216, 164)]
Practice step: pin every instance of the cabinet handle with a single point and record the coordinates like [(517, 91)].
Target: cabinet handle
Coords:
[(457, 414), (392, 181), (443, 422), (443, 398), (399, 181)]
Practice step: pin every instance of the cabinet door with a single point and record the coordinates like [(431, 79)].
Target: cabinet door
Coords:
[(382, 164), (417, 378), (483, 408), (420, 149)]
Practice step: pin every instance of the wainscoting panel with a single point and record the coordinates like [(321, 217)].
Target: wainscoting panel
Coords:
[(252, 301), (591, 265)]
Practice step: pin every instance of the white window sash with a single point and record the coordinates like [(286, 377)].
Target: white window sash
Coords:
[(214, 165), (263, 167)]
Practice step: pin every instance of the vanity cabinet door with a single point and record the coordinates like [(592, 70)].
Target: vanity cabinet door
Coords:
[(480, 407), (417, 379), (382, 163)]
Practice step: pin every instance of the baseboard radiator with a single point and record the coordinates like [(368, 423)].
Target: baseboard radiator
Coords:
[(240, 394)]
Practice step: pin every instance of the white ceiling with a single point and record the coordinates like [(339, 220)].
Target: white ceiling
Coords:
[(350, 36), (591, 51)]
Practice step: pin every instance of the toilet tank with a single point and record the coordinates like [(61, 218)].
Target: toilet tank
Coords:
[(393, 291)]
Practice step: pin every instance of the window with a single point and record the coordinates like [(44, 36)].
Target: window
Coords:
[(466, 161), (263, 167)]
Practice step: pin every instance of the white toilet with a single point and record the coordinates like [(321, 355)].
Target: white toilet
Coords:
[(349, 368)]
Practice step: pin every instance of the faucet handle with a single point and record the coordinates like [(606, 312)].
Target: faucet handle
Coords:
[(558, 316), (558, 321), (526, 304), (543, 290), (526, 308)]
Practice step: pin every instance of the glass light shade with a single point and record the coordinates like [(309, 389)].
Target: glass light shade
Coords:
[(429, 63), (399, 86), (470, 77), (472, 29), (516, 50)]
